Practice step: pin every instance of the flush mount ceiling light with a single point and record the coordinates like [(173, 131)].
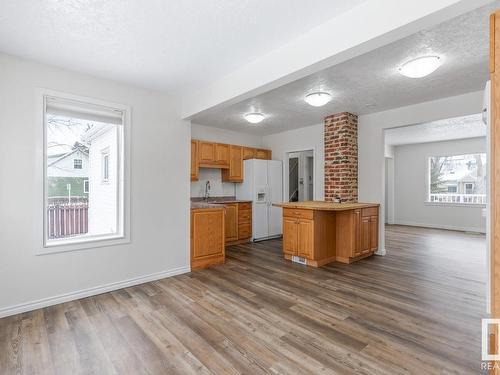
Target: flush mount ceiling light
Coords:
[(254, 117), (420, 67), (318, 99)]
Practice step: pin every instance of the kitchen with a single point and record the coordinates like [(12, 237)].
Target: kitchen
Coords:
[(237, 195)]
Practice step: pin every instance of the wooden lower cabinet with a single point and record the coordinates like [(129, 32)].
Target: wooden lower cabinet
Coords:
[(207, 237), (308, 235), (231, 222), (357, 234), (238, 222)]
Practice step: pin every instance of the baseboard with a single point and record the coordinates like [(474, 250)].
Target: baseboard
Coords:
[(447, 227), (50, 301)]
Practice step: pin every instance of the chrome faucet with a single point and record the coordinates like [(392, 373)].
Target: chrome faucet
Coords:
[(207, 191)]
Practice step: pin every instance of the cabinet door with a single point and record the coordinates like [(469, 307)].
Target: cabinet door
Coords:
[(290, 236), (357, 233), (207, 228), (305, 247), (262, 154), (206, 152), (194, 160), (365, 234), (222, 154), (248, 153), (373, 233), (235, 171), (231, 222)]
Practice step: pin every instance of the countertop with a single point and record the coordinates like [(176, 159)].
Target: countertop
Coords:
[(220, 200), (214, 202), (204, 205), (325, 206)]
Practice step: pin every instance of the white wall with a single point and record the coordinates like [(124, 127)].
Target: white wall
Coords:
[(209, 133), (159, 189), (308, 138), (411, 190), (371, 140)]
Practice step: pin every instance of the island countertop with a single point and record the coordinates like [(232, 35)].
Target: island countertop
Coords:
[(325, 206)]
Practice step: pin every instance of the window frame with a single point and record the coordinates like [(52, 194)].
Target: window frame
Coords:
[(86, 186), (105, 166), (42, 247), (428, 202)]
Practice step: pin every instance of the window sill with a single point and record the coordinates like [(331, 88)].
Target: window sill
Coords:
[(67, 245), (471, 205)]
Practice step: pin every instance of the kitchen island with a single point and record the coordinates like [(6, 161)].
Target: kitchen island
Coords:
[(316, 232)]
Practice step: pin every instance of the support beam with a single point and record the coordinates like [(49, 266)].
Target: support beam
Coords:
[(368, 26)]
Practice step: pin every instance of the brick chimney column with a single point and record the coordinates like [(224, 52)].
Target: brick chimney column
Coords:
[(341, 157)]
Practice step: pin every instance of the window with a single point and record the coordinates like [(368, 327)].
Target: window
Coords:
[(89, 211), (458, 179), (105, 166), (77, 163)]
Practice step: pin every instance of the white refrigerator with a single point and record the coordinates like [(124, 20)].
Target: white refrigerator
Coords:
[(263, 185)]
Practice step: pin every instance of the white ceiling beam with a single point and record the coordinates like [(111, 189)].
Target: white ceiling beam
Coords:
[(366, 27)]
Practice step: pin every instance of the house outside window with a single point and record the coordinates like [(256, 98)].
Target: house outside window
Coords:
[(77, 163), (84, 146), (457, 179)]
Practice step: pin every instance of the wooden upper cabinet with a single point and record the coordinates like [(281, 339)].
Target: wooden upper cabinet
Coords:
[(256, 153), (235, 171), (231, 222), (222, 154), (263, 154), (194, 160), (206, 152), (248, 153)]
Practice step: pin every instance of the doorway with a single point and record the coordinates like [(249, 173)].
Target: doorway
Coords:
[(300, 175)]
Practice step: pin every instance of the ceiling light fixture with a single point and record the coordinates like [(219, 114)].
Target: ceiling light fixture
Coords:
[(420, 67), (254, 117), (318, 99)]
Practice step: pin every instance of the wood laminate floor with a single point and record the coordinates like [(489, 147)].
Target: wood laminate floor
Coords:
[(416, 310)]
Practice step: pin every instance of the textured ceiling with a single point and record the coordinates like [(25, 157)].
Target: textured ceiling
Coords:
[(161, 44), (443, 130), (371, 82)]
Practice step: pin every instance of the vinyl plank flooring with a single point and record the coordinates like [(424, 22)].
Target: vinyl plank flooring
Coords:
[(415, 311)]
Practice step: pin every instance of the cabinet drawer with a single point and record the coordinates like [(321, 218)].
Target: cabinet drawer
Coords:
[(244, 231), (371, 211), (245, 206), (244, 216), (299, 214)]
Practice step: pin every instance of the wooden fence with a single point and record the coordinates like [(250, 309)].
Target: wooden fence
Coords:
[(66, 220)]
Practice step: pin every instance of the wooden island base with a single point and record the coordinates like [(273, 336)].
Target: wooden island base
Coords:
[(324, 232)]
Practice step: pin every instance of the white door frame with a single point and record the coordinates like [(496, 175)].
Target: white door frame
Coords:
[(285, 170)]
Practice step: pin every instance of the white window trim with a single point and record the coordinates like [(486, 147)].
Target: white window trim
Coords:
[(64, 245), (86, 183)]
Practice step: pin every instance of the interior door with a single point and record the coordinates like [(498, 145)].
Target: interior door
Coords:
[(275, 195)]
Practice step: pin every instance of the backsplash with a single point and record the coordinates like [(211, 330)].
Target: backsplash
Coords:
[(217, 187)]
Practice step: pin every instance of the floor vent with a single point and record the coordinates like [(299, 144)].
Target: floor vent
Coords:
[(300, 260)]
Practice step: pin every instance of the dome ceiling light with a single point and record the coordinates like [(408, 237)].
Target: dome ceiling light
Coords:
[(318, 99), (254, 117), (420, 67)]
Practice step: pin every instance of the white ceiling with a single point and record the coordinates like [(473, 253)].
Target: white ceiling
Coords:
[(159, 44), (443, 130), (371, 82)]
